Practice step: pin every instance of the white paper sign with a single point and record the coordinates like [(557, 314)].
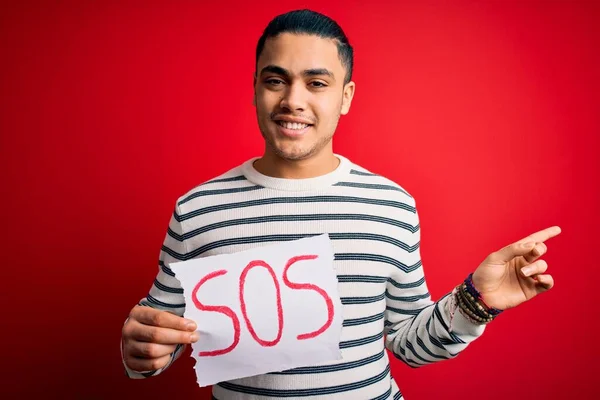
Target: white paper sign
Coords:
[(263, 310)]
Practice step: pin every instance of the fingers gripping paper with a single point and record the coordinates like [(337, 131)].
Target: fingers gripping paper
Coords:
[(263, 310)]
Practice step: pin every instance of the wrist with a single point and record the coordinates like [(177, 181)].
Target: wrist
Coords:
[(471, 304), (486, 297)]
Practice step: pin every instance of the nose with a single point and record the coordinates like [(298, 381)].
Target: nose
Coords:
[(294, 98)]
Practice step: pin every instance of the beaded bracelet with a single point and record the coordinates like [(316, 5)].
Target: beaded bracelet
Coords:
[(474, 305), (469, 311), (455, 303), (469, 315), (471, 305)]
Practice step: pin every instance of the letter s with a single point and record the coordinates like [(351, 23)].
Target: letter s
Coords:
[(308, 286), (220, 309)]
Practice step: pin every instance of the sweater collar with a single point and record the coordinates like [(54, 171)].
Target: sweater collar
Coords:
[(304, 184)]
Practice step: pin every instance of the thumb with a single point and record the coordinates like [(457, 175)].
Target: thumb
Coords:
[(511, 251)]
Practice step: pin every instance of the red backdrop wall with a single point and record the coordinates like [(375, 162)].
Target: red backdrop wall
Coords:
[(487, 112)]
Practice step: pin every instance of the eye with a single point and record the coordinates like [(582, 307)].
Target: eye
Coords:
[(317, 84), (274, 82)]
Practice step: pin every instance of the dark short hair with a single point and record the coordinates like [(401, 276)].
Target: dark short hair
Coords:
[(310, 23)]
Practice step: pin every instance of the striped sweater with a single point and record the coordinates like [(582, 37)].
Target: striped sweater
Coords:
[(374, 228)]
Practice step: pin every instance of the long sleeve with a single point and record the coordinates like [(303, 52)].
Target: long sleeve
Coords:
[(166, 293), (418, 329)]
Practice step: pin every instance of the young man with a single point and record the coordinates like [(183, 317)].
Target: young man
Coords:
[(298, 188)]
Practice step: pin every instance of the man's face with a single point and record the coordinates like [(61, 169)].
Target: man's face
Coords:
[(300, 94)]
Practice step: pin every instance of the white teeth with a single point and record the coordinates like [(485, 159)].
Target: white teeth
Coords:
[(292, 125)]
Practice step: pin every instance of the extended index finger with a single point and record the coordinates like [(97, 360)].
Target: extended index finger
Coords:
[(541, 236), (161, 319)]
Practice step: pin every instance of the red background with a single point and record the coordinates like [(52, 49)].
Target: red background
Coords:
[(487, 112)]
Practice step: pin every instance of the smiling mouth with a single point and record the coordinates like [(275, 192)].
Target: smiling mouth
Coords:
[(292, 125)]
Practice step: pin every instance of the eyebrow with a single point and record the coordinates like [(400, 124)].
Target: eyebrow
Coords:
[(275, 69)]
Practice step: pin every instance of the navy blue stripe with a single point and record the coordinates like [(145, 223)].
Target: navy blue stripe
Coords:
[(375, 237), (295, 200), (404, 358), (362, 300), (371, 186), (398, 395), (407, 298), (416, 311), (362, 173), (364, 320), (203, 193), (284, 238), (378, 258), (231, 242), (361, 278), (166, 288), (423, 346), (332, 368), (384, 396), (359, 342), (436, 342), (412, 350), (232, 179), (409, 285), (306, 392), (165, 269), (152, 300), (447, 342), (310, 218)]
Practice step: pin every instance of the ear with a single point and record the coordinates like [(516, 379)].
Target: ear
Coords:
[(348, 95)]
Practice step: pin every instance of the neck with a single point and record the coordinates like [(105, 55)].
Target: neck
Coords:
[(274, 166)]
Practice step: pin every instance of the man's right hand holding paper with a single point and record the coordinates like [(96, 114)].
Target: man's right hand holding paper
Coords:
[(150, 336)]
